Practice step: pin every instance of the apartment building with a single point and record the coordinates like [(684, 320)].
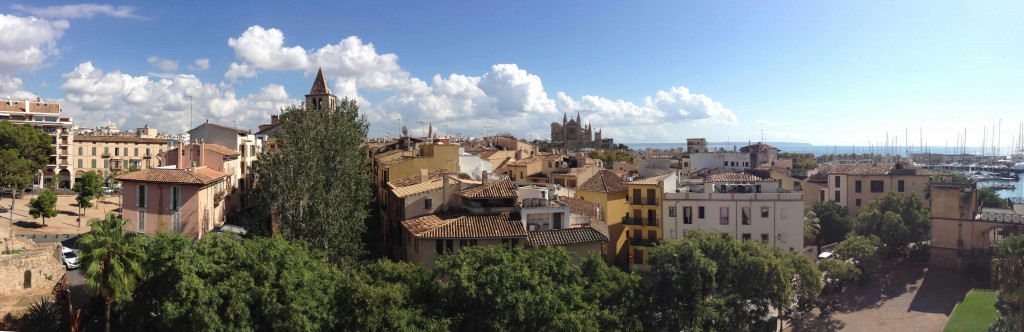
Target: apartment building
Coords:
[(582, 233), (428, 236), (644, 216), (854, 185), (746, 206), (608, 191), (241, 140), (720, 160), (46, 116), (187, 201), (107, 153), (430, 192)]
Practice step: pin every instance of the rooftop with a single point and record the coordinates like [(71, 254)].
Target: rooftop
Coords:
[(582, 207), (197, 176), (604, 181), (565, 236), (503, 188), (735, 177), (653, 179), (463, 226), (120, 139), (881, 169)]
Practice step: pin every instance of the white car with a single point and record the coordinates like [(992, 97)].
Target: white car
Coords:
[(70, 258)]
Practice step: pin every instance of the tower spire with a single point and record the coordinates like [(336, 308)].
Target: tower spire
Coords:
[(320, 86)]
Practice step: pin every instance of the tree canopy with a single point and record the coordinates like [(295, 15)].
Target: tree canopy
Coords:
[(315, 184), (44, 205), (834, 220), (866, 251), (706, 280), (988, 197), (23, 150), (896, 219), (111, 260), (88, 188), (1008, 277)]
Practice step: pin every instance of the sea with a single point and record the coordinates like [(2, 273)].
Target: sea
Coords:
[(819, 150)]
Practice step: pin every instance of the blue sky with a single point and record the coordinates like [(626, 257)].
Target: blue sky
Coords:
[(833, 72)]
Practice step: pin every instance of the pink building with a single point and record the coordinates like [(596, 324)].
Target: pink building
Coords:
[(188, 201)]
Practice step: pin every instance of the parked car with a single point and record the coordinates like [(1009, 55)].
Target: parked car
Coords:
[(825, 255), (70, 258), (9, 192)]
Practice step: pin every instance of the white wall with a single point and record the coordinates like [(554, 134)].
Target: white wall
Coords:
[(783, 223), (717, 160)]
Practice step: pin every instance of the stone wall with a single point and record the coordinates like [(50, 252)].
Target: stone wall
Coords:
[(37, 267)]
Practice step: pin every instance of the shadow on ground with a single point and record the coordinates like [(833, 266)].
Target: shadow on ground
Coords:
[(940, 291), (822, 322), (28, 224), (890, 280)]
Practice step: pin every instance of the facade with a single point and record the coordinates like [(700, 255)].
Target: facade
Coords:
[(644, 216), (583, 233), (651, 166), (761, 154), (572, 133), (855, 185), (46, 116), (107, 154), (696, 145), (746, 206), (215, 157), (720, 160), (964, 233), (188, 201), (426, 237), (237, 139), (608, 191)]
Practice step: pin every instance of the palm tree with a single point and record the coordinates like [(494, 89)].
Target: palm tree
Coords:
[(112, 260), (812, 226), (44, 315)]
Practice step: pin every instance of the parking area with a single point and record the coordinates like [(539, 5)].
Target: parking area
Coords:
[(900, 296)]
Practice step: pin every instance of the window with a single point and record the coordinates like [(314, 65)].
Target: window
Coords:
[(142, 221), (858, 202), (764, 237), (764, 211), (94, 163), (745, 211), (175, 197), (877, 186), (428, 203), (672, 211), (700, 212), (136, 152), (638, 256), (821, 196), (81, 150), (448, 244), (94, 152), (899, 186), (140, 196), (837, 182), (746, 164), (725, 164), (687, 215), (116, 152), (472, 242), (746, 236), (106, 163), (856, 186), (176, 221), (462, 244), (80, 163), (837, 196), (438, 246), (724, 215)]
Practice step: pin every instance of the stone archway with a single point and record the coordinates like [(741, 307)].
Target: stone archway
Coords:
[(28, 279), (65, 179)]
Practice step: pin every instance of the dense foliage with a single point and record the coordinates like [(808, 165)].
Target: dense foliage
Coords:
[(800, 160), (111, 260), (838, 273), (610, 156), (987, 197), (707, 281), (315, 185), (834, 220), (865, 251), (896, 219), (44, 205), (1008, 276), (88, 188), (23, 150)]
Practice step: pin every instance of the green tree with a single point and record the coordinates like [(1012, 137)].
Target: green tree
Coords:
[(896, 219), (224, 282), (15, 171), (152, 289), (987, 197), (1008, 276), (954, 178), (708, 281), (618, 296), (315, 184), (812, 226), (835, 222), (23, 150), (44, 315), (496, 288), (864, 250), (90, 187), (388, 296), (806, 283), (44, 206), (111, 260), (838, 273)]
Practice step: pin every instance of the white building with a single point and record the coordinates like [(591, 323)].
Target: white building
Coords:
[(746, 206), (653, 166), (724, 160), (241, 140)]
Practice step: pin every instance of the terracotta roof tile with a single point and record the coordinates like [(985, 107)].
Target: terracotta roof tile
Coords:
[(462, 226), (221, 149), (604, 181), (35, 107), (503, 188), (198, 176), (735, 177), (578, 170), (579, 206), (565, 236), (652, 180), (527, 161), (415, 179)]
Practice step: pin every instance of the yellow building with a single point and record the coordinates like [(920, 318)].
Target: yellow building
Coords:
[(643, 216), (106, 154), (855, 185), (520, 170), (607, 190)]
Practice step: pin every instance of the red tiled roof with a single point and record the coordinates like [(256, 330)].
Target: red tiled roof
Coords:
[(503, 188), (735, 177), (565, 236), (862, 169), (604, 181), (221, 149), (579, 206), (462, 226), (416, 179), (198, 176)]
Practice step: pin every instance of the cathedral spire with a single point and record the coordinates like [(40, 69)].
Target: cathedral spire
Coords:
[(578, 118), (565, 118), (320, 84)]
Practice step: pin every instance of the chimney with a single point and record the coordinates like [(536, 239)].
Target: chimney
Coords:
[(274, 119), (27, 106), (181, 156), (444, 192), (424, 175), (483, 178)]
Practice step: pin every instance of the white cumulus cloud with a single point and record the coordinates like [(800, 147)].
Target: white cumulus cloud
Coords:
[(239, 70), (85, 10), (26, 42), (163, 64), (265, 49), (200, 64)]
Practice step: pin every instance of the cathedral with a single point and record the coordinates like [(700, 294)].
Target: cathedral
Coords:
[(572, 133)]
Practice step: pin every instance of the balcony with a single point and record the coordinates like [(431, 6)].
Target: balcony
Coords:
[(652, 201), (642, 242), (633, 221), (105, 155)]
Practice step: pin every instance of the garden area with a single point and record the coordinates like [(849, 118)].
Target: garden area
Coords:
[(975, 313)]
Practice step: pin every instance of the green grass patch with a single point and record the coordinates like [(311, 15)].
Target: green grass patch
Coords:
[(13, 251), (975, 313)]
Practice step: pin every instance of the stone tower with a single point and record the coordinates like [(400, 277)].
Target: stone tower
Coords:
[(320, 96)]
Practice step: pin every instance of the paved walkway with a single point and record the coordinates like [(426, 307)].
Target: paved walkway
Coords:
[(901, 297)]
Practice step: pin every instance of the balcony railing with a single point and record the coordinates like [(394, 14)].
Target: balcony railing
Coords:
[(642, 242), (105, 155), (634, 221), (651, 201)]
